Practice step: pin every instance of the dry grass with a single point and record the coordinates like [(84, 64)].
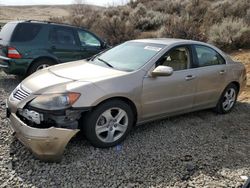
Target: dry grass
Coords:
[(8, 13)]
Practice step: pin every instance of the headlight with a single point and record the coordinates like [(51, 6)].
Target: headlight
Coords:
[(55, 101)]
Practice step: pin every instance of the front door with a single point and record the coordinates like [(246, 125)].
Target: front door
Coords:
[(90, 45), (170, 94)]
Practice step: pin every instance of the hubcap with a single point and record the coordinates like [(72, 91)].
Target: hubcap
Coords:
[(43, 66), (229, 99), (111, 125)]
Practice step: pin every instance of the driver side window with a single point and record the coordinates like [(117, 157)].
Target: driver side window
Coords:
[(177, 58), (88, 39)]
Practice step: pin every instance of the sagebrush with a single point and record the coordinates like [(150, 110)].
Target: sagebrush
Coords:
[(225, 23)]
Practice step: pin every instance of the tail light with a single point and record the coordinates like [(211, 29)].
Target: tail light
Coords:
[(13, 53)]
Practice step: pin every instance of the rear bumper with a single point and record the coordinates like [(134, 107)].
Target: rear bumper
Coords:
[(4, 62), (4, 66), (14, 66), (46, 144)]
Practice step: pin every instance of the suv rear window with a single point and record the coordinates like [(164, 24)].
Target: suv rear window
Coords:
[(7, 31), (25, 32)]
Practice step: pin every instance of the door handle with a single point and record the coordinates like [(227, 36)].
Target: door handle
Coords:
[(190, 77), (222, 72), (83, 48), (53, 47)]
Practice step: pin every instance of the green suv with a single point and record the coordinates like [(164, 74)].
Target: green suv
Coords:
[(27, 46)]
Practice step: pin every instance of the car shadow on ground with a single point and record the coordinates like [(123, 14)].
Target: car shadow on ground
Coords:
[(167, 152)]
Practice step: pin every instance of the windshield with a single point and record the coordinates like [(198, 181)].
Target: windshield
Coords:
[(128, 56)]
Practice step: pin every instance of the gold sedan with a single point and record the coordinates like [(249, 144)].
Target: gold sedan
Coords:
[(132, 83)]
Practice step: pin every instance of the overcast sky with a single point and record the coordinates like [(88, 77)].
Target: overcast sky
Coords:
[(54, 2)]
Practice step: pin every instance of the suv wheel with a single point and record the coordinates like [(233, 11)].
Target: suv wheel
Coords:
[(39, 65), (108, 124)]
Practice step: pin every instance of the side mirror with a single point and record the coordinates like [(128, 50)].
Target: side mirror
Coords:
[(104, 45), (162, 71)]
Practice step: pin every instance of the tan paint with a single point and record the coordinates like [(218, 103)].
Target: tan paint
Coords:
[(154, 97)]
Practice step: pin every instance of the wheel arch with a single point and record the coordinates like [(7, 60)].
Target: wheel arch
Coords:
[(41, 58), (237, 84), (126, 100)]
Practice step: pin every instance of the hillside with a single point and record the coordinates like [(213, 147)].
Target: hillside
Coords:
[(32, 12), (38, 12)]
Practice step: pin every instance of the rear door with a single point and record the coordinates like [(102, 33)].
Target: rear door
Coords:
[(63, 43), (89, 43), (210, 72)]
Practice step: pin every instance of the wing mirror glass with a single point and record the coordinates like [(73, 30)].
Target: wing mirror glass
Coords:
[(162, 71)]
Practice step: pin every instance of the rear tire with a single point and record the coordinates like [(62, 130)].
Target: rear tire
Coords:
[(227, 100), (39, 65), (108, 124)]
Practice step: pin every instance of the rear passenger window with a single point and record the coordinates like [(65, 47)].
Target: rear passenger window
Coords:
[(207, 56), (25, 32), (62, 36)]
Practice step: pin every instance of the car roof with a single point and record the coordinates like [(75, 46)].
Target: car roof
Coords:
[(175, 41), (44, 22), (169, 41)]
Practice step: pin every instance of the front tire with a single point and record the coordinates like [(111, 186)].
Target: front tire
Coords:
[(227, 99), (108, 124)]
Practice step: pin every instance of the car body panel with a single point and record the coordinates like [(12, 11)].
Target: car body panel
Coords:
[(210, 84), (84, 71), (46, 144), (152, 97), (162, 95)]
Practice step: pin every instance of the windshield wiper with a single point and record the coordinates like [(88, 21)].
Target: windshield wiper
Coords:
[(106, 63)]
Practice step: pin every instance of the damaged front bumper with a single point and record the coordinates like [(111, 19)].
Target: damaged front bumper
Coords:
[(46, 144)]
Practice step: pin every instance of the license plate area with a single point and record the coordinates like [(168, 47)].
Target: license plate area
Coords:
[(31, 115)]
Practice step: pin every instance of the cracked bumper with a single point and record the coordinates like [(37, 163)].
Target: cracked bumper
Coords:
[(46, 144)]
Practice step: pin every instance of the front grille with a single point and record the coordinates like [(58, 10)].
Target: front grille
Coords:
[(20, 94)]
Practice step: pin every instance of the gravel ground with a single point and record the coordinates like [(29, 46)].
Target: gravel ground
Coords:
[(198, 149)]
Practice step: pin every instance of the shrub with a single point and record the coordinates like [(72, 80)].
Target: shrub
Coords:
[(230, 33), (144, 19), (178, 27), (114, 30), (224, 22), (247, 18)]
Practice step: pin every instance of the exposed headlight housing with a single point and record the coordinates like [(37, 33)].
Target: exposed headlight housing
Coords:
[(55, 101)]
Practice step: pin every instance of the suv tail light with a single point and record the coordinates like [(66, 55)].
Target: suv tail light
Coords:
[(13, 53)]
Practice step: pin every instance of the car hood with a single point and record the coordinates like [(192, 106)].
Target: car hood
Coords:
[(42, 80), (84, 71), (55, 78)]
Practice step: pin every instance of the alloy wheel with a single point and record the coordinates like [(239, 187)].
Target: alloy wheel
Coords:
[(43, 66), (111, 125), (229, 99)]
